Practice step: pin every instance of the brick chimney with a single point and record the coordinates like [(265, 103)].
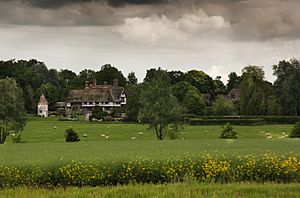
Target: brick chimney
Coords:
[(115, 82), (94, 85)]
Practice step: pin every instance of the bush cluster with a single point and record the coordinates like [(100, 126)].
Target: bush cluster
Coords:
[(71, 135), (69, 118), (205, 168), (228, 132), (296, 131)]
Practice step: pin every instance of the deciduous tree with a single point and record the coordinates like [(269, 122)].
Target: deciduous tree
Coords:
[(252, 91), (159, 107), (12, 111), (287, 85), (132, 79), (223, 106)]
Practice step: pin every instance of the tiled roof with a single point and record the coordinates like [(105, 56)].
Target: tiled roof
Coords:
[(43, 100), (100, 93)]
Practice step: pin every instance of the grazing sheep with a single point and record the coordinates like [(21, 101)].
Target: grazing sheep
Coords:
[(84, 135), (141, 133), (133, 138)]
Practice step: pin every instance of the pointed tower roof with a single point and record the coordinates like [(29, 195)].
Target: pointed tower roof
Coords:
[(43, 100)]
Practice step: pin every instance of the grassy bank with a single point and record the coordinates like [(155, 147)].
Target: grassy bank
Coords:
[(177, 190)]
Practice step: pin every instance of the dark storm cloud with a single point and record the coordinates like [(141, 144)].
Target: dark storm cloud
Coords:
[(248, 19), (114, 3)]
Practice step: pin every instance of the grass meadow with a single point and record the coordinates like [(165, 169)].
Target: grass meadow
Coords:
[(45, 143), (177, 190), (132, 155)]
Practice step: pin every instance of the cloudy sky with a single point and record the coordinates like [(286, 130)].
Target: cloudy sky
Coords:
[(216, 36)]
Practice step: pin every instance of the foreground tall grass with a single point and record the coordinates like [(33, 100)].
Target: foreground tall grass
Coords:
[(205, 168), (175, 190)]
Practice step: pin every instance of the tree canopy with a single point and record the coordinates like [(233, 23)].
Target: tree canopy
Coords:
[(255, 95), (12, 111), (223, 106), (252, 92), (189, 98), (287, 85), (159, 107), (108, 73)]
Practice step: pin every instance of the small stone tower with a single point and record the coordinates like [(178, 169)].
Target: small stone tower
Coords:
[(43, 106)]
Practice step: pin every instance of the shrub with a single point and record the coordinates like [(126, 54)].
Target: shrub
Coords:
[(228, 132), (71, 135), (296, 131), (173, 132), (53, 113), (16, 138), (98, 114)]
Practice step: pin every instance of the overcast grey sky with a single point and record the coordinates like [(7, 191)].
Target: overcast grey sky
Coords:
[(216, 36)]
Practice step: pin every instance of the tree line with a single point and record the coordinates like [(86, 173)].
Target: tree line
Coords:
[(194, 91)]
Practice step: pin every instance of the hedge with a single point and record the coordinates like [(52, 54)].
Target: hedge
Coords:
[(197, 121), (240, 120)]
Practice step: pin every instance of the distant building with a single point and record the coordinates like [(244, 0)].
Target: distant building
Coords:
[(234, 94), (105, 96), (42, 108)]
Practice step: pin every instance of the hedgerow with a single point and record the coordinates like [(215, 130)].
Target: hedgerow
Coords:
[(205, 168)]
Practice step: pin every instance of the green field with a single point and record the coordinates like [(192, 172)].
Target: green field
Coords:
[(45, 159), (180, 190), (45, 142)]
